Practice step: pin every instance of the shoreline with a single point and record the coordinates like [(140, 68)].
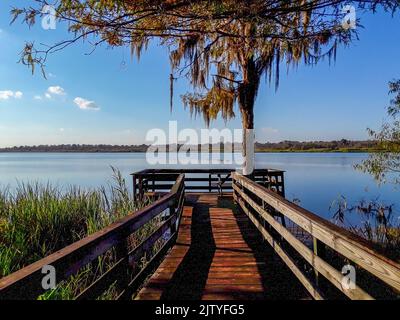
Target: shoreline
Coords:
[(256, 151)]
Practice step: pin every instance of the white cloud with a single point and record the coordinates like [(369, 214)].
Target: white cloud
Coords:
[(18, 95), (85, 104), (51, 91), (56, 90), (62, 129), (7, 94)]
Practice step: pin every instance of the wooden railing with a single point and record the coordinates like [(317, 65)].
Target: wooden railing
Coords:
[(261, 205), (202, 180), (27, 282)]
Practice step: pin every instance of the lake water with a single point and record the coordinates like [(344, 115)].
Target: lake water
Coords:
[(316, 179)]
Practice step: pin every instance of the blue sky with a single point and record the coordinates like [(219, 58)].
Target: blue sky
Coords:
[(107, 97)]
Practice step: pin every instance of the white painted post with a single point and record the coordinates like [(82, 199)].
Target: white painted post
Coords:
[(248, 152)]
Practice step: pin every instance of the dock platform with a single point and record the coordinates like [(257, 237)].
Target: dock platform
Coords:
[(220, 255)]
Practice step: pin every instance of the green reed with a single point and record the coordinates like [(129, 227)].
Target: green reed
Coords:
[(38, 219)]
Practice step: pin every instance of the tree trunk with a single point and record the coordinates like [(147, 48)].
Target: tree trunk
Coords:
[(247, 95)]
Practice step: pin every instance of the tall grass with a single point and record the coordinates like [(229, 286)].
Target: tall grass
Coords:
[(38, 219), (378, 223)]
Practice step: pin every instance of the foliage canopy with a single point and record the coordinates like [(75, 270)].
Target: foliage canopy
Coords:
[(224, 47), (386, 164)]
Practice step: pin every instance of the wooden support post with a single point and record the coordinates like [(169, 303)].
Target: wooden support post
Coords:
[(219, 184), (122, 252), (281, 191), (319, 250), (134, 188), (141, 191), (171, 212), (234, 192), (283, 219), (283, 185), (173, 224), (264, 222)]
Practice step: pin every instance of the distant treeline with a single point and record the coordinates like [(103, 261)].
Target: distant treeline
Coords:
[(283, 146), (318, 146), (77, 148)]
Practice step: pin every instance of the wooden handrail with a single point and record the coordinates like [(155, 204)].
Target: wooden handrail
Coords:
[(208, 170), (340, 240), (205, 180), (26, 283)]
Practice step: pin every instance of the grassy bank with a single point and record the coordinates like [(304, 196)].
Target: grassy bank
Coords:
[(39, 219)]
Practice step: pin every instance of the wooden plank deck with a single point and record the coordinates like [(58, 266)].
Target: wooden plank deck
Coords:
[(219, 255)]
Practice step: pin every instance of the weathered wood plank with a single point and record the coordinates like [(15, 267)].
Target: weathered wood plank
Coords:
[(227, 267)]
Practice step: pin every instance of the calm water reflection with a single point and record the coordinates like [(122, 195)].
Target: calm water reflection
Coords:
[(315, 178)]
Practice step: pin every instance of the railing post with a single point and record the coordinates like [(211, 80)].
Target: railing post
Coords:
[(134, 188), (209, 182), (283, 184), (263, 220), (122, 252), (233, 189), (141, 191), (219, 184), (171, 210), (282, 219), (320, 251)]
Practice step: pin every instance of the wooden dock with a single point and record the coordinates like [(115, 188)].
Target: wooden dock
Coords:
[(237, 237), (220, 255)]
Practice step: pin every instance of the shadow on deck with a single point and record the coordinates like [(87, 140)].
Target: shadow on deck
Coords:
[(220, 255)]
